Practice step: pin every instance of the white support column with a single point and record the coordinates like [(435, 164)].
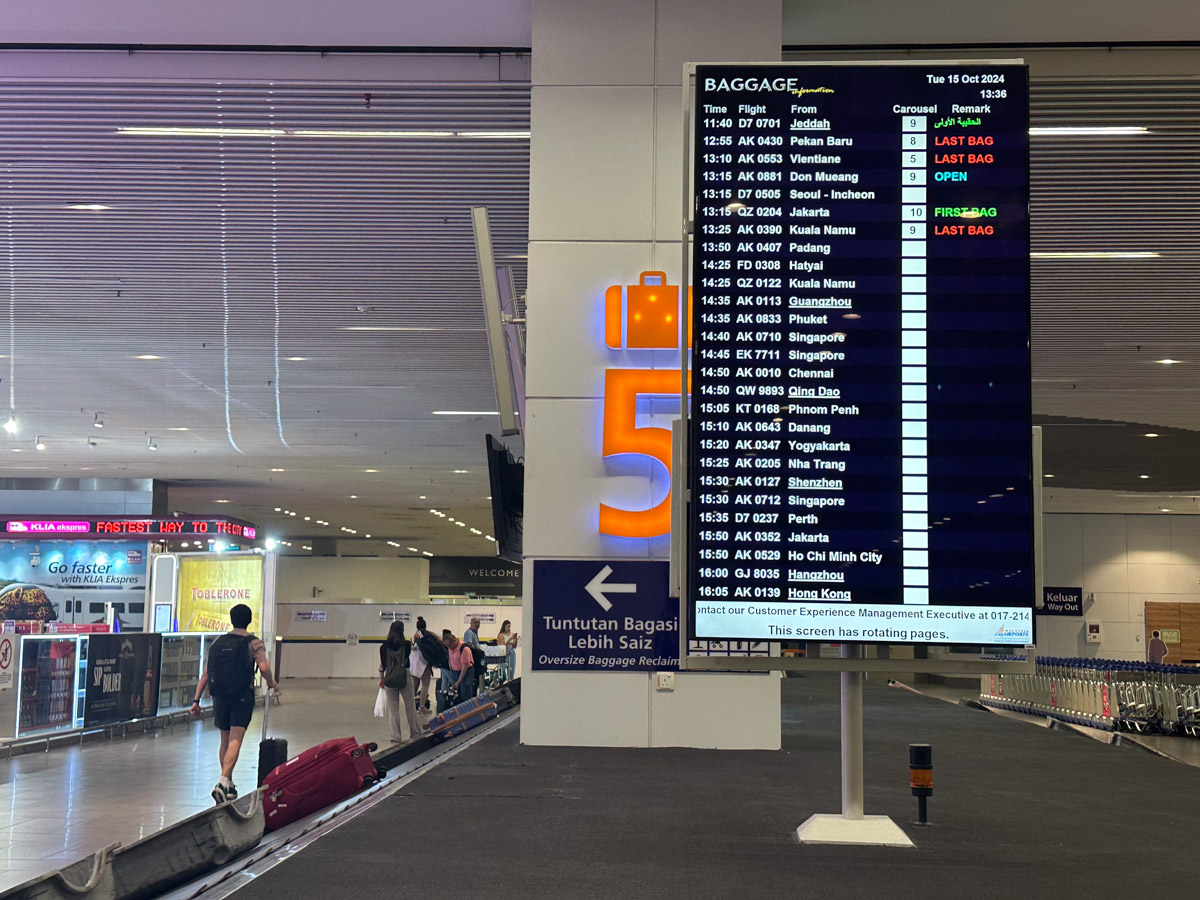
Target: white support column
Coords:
[(605, 196)]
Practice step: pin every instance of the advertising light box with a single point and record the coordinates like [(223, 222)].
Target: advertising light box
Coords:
[(860, 446), (210, 586)]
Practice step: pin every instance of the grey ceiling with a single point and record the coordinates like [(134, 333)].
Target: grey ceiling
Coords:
[(226, 255)]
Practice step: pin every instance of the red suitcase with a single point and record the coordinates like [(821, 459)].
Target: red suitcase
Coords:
[(317, 778)]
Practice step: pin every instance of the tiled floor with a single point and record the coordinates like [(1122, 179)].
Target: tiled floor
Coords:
[(56, 807)]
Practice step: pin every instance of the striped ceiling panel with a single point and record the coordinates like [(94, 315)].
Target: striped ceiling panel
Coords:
[(297, 256)]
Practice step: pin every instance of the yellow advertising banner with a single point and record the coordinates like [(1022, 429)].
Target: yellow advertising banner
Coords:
[(209, 587)]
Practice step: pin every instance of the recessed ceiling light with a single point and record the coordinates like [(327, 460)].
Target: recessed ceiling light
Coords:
[(1143, 476), (147, 356), (461, 524), (220, 501), (460, 471), (176, 131), (355, 496), (1167, 362), (422, 497), (488, 537), (1047, 476), (1095, 254), (181, 428), (488, 497), (476, 531), (89, 207), (450, 519), (426, 553), (464, 412), (280, 509), (297, 358), (387, 328), (279, 470), (1086, 130), (307, 518), (977, 501), (16, 450), (370, 470), (415, 550), (1150, 434), (1163, 509)]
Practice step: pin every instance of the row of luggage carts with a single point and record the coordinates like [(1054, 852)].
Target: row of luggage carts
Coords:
[(1111, 694)]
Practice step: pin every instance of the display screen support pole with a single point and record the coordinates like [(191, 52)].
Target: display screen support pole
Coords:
[(852, 739), (852, 826)]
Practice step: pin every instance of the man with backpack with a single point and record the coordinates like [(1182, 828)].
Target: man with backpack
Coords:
[(229, 677), (471, 639)]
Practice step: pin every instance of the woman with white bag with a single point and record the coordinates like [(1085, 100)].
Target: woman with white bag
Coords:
[(394, 656)]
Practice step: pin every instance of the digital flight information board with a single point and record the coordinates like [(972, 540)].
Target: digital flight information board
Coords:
[(860, 441)]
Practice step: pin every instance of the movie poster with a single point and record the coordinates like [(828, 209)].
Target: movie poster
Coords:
[(122, 677)]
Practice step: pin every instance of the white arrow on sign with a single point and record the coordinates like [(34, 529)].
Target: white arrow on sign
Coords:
[(597, 588)]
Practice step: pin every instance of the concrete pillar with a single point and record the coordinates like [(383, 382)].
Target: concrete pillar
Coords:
[(605, 206)]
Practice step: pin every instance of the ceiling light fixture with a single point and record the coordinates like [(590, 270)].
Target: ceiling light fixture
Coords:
[(340, 133), (97, 422), (279, 509), (413, 550), (1086, 130), (1047, 476), (354, 496), (1150, 434), (1163, 509), (426, 553), (39, 444), (279, 470), (1095, 254), (476, 531), (370, 470), (90, 207), (1143, 476), (11, 425), (220, 501), (147, 356), (181, 428), (150, 444), (91, 443), (460, 471), (297, 358), (1167, 362), (169, 131)]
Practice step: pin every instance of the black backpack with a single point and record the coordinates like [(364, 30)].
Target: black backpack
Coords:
[(434, 651), (230, 665), (480, 660), (395, 673)]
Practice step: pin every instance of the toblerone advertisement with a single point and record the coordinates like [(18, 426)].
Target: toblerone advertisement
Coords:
[(209, 588)]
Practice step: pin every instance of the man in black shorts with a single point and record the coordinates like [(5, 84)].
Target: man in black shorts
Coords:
[(229, 677)]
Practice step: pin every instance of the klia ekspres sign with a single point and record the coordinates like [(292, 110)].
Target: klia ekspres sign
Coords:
[(641, 316)]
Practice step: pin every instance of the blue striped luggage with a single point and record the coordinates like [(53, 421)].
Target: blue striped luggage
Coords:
[(464, 717)]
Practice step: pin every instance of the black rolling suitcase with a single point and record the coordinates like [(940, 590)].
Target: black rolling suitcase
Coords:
[(272, 752)]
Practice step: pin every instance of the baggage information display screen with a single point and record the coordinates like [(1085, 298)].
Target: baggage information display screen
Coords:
[(860, 442)]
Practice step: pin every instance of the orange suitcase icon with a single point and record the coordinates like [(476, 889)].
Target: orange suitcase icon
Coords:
[(652, 308)]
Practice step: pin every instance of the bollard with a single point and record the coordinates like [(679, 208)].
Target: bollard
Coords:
[(920, 777)]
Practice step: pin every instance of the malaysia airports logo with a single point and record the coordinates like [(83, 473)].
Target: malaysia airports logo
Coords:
[(1009, 635)]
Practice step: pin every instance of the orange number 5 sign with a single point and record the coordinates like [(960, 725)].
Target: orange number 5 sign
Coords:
[(650, 324)]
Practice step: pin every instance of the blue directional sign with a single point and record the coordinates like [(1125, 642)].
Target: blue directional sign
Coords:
[(604, 615)]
